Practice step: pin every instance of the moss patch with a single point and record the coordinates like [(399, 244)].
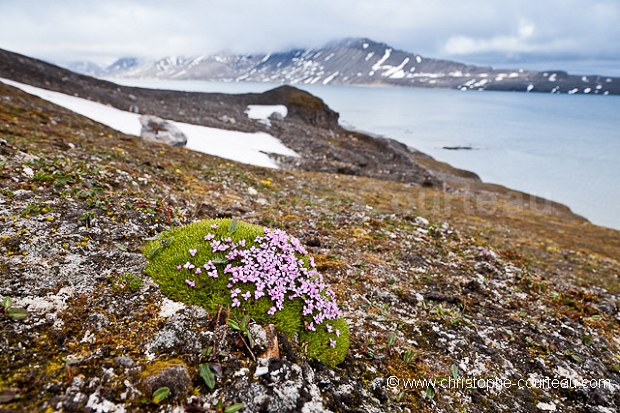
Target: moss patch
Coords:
[(266, 275)]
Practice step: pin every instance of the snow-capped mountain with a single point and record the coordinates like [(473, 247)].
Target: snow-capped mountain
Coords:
[(359, 62), (83, 67)]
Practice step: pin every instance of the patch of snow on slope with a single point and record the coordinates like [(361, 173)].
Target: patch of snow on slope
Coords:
[(330, 77), (250, 148), (197, 60), (385, 57), (262, 113), (397, 72), (120, 120)]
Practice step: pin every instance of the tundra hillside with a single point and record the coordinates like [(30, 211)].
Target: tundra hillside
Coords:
[(471, 282)]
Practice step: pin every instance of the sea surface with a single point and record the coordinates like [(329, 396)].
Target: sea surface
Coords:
[(561, 147)]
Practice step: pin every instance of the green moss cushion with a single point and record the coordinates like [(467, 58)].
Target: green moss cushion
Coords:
[(264, 274)]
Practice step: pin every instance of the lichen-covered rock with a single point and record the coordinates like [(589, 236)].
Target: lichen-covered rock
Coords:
[(281, 387), (171, 374)]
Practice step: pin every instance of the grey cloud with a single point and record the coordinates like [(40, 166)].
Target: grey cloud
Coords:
[(465, 30)]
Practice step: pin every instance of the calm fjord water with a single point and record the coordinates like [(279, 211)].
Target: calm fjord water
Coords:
[(562, 147)]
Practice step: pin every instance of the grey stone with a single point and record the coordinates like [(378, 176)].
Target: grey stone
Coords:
[(124, 361), (156, 129), (175, 377)]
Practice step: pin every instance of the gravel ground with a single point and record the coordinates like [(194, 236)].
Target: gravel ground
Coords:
[(492, 295)]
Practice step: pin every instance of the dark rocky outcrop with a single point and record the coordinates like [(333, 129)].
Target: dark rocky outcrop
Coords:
[(301, 105)]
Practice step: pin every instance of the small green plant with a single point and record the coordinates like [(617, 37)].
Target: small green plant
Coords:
[(207, 375), (87, 218), (61, 179), (242, 327), (454, 371), (160, 394), (572, 355), (127, 282), (8, 309), (36, 209), (42, 176), (391, 340), (410, 356), (430, 392), (257, 273), (233, 408)]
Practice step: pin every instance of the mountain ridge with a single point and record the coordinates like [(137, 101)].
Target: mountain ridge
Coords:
[(356, 61)]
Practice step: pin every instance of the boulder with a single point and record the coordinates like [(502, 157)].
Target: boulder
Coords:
[(157, 129), (172, 374)]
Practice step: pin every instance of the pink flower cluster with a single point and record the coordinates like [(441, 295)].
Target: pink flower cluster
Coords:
[(273, 268)]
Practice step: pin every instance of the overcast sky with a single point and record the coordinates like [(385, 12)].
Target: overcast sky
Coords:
[(581, 36)]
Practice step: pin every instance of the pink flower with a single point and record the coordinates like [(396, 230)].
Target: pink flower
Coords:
[(198, 271), (192, 252), (209, 266), (214, 226), (332, 343), (190, 283)]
